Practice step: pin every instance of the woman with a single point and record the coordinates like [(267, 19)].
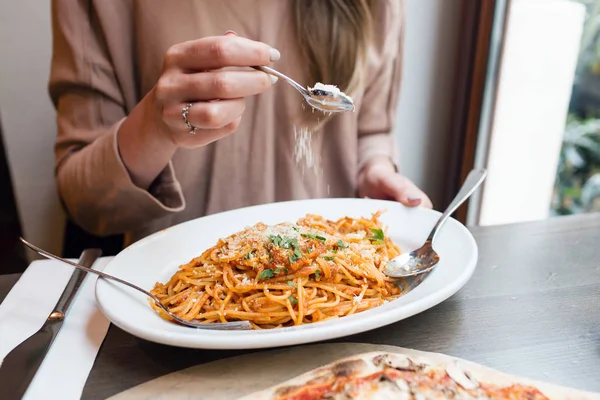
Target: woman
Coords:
[(124, 72)]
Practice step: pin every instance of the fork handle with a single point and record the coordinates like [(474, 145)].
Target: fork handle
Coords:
[(234, 325), (51, 256)]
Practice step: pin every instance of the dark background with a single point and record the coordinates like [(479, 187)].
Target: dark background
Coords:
[(12, 255)]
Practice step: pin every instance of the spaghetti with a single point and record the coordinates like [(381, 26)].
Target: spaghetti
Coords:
[(286, 274)]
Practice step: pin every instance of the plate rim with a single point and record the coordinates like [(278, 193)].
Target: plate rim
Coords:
[(366, 323)]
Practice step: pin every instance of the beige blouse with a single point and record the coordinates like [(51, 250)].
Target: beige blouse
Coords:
[(108, 55)]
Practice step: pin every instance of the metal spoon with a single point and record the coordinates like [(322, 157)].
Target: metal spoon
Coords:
[(320, 99), (228, 326), (425, 258)]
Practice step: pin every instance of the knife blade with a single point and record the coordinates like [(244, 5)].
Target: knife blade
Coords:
[(20, 365)]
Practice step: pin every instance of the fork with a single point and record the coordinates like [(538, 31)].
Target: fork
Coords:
[(227, 326)]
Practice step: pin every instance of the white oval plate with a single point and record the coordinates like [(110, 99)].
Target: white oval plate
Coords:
[(157, 257)]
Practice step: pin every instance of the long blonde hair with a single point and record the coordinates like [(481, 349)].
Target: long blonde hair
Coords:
[(334, 36)]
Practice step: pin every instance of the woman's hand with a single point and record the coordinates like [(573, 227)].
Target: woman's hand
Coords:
[(379, 180), (193, 72)]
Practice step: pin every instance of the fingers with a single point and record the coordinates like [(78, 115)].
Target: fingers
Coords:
[(205, 115), (395, 187), (212, 121), (415, 200), (218, 52), (212, 85), (196, 72), (413, 197), (206, 136), (217, 114), (426, 201), (410, 201), (405, 191)]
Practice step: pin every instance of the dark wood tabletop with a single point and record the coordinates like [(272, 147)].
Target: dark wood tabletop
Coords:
[(532, 308)]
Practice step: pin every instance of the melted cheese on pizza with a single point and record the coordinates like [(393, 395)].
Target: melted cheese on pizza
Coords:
[(395, 377)]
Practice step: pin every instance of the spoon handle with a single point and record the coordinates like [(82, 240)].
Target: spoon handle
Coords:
[(286, 78), (474, 179)]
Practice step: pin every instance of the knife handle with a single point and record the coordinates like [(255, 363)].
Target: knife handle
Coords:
[(88, 257), (22, 363)]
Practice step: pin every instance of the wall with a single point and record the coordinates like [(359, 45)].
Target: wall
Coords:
[(28, 119), (425, 109), (536, 78)]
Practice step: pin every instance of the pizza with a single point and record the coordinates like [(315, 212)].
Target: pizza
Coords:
[(385, 375)]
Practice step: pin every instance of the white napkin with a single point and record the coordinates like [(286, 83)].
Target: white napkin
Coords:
[(68, 362)]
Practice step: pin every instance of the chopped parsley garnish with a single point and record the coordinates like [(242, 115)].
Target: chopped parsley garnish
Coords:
[(293, 300), (249, 255), (276, 239), (296, 228), (291, 283), (318, 274), (286, 243), (377, 237), (279, 269), (314, 236), (266, 274), (296, 255), (328, 258), (341, 244)]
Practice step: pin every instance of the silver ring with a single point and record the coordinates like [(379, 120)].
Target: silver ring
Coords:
[(184, 114)]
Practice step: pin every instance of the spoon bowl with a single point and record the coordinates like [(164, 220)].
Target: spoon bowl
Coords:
[(236, 325), (333, 104), (319, 98), (425, 258), (416, 262)]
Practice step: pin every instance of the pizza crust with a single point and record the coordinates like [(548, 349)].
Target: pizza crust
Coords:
[(465, 373), (235, 377)]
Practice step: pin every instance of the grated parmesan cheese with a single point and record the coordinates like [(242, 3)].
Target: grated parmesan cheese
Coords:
[(357, 299), (246, 281), (285, 229), (328, 88), (303, 152), (332, 89), (358, 235)]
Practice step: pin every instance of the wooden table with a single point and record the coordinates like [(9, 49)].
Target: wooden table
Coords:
[(532, 308)]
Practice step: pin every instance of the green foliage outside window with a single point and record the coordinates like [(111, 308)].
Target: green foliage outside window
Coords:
[(577, 187)]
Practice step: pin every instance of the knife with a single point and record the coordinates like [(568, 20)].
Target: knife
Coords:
[(21, 364)]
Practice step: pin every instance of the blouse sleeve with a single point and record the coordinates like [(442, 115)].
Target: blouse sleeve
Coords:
[(92, 86), (379, 105)]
